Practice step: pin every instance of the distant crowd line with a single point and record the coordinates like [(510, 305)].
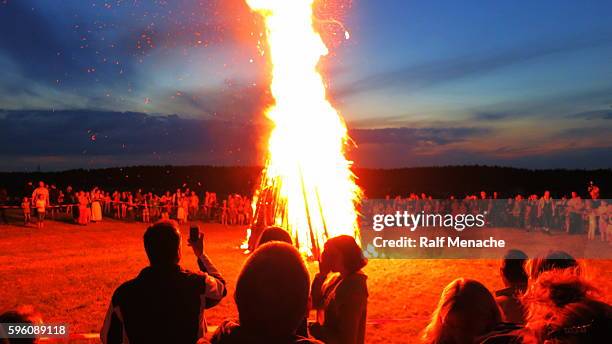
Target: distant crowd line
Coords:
[(85, 207), (573, 215)]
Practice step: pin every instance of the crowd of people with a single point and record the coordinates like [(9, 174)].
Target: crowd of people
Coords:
[(573, 215), (547, 299), (85, 207)]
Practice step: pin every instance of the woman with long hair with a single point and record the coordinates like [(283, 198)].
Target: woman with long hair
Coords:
[(466, 311), (340, 293)]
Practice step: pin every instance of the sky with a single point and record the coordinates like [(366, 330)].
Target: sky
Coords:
[(89, 84)]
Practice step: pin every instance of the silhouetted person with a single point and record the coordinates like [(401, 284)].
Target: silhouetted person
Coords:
[(553, 260), (515, 279), (340, 293), (466, 312), (22, 315), (164, 303), (273, 233), (272, 298), (565, 308)]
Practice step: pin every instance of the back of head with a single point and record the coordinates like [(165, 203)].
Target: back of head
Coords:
[(466, 310), (273, 233), (553, 260), (513, 267), (272, 291), (352, 255), (162, 243), (22, 315), (563, 307)]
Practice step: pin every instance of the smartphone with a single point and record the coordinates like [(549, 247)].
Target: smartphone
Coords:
[(194, 233)]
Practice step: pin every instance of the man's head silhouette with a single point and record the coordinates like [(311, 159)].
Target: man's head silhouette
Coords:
[(162, 242)]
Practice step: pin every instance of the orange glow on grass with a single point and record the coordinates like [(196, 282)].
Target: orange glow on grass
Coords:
[(307, 175)]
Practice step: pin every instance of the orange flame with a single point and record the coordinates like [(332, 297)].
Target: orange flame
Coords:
[(312, 186)]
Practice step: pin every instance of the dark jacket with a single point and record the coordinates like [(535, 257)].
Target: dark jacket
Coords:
[(342, 303), (163, 305)]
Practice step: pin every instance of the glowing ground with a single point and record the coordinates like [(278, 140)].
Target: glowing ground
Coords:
[(68, 273)]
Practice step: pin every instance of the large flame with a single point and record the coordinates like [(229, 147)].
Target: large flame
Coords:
[(307, 180)]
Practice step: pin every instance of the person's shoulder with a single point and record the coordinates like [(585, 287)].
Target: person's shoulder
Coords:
[(189, 274), (194, 278), (353, 284), (125, 290), (358, 279)]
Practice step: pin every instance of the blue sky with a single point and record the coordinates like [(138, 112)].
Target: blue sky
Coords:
[(95, 83)]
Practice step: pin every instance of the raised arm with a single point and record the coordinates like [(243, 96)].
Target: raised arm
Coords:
[(214, 289)]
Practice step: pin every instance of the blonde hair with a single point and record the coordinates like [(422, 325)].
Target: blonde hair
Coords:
[(466, 310)]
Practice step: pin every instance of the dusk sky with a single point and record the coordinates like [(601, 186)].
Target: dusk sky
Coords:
[(89, 84)]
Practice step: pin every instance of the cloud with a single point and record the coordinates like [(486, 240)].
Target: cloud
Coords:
[(57, 140), (592, 115), (416, 136), (112, 137), (415, 77), (382, 156), (586, 132), (492, 116)]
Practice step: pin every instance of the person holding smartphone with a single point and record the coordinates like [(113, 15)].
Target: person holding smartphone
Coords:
[(165, 303)]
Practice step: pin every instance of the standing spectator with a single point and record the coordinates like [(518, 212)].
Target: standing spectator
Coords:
[(41, 190), (517, 212), (547, 211), (194, 204), (605, 221), (71, 198), (25, 206), (340, 293), (575, 207), (96, 206), (164, 303), (181, 212), (166, 206), (224, 213), (41, 207), (29, 188), (117, 204), (84, 211), (145, 210), (52, 202), (107, 203)]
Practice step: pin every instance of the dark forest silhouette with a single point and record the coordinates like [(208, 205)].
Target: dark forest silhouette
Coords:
[(437, 181)]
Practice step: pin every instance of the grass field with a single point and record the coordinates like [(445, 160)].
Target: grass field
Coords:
[(69, 272)]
